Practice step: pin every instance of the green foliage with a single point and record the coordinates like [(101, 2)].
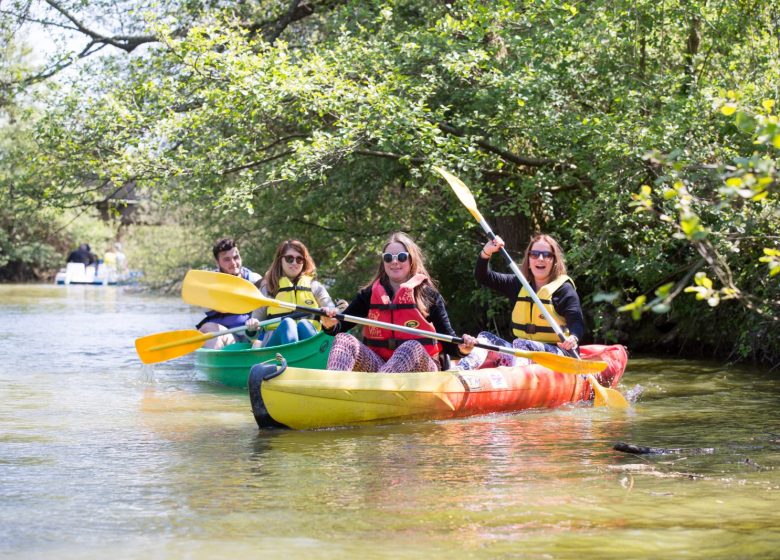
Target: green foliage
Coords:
[(166, 252), (643, 135), (28, 244)]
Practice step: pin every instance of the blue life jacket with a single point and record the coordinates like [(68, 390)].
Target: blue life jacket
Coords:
[(227, 320)]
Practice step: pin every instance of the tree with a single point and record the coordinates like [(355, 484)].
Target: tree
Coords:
[(322, 119)]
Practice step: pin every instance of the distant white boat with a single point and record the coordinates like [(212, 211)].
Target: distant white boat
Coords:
[(95, 275)]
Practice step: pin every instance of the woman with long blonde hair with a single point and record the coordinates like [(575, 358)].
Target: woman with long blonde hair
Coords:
[(545, 269), (402, 293)]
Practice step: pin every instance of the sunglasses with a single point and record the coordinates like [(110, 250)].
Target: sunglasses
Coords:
[(289, 259), (400, 257), (540, 254)]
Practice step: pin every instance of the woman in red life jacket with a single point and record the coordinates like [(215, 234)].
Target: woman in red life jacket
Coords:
[(544, 267), (402, 293)]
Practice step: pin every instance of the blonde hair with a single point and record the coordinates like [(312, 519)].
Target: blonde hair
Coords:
[(559, 264), (416, 266), (275, 273)]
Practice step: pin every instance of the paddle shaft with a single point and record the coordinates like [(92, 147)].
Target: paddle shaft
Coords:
[(467, 199), (203, 337), (208, 336), (407, 330), (553, 323)]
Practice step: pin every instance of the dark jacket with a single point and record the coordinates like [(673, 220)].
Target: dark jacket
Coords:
[(565, 299), (82, 255), (437, 315)]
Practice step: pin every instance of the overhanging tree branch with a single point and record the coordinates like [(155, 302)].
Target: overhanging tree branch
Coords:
[(295, 11), (127, 43), (390, 155), (500, 152)]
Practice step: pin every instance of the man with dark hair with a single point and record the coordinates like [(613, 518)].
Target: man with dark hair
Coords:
[(222, 246), (228, 260), (82, 255)]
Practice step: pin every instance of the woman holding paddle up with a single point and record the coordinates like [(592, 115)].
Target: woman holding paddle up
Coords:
[(290, 278), (402, 293), (544, 265)]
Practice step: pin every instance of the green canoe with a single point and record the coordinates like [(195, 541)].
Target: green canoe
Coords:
[(230, 366)]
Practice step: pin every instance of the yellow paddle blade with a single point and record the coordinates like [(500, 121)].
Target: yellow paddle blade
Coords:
[(462, 192), (168, 345), (604, 396), (562, 364), (222, 292)]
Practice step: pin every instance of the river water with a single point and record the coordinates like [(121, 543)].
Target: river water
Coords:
[(101, 456)]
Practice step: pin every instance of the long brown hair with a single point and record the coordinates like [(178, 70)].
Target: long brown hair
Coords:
[(416, 266), (275, 273), (559, 264)]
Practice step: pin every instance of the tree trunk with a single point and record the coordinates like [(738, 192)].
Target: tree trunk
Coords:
[(691, 50), (516, 231)]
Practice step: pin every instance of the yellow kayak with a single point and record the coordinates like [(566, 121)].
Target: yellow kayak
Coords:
[(302, 398)]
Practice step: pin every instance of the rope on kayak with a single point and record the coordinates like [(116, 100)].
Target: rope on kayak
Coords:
[(281, 366)]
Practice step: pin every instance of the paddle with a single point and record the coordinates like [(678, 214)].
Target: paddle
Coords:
[(603, 396), (231, 294), (168, 345)]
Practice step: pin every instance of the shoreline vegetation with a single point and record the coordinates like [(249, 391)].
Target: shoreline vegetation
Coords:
[(164, 271), (645, 137)]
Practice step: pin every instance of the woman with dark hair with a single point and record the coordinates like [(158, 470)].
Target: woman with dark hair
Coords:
[(290, 278), (402, 293), (545, 269)]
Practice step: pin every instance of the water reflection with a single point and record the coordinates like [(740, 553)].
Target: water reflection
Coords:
[(101, 456)]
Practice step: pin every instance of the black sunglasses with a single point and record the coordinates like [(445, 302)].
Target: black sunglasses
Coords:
[(291, 259), (400, 257), (540, 254)]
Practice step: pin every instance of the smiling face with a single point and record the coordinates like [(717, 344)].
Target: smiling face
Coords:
[(397, 272), (541, 267), (229, 261), (292, 270)]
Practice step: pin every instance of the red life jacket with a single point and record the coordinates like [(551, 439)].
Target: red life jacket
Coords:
[(402, 311)]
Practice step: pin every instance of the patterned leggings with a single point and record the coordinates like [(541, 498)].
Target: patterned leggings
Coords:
[(349, 354), (481, 357)]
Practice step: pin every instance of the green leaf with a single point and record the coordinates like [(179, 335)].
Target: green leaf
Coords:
[(745, 122), (605, 297), (664, 290), (690, 224), (661, 308)]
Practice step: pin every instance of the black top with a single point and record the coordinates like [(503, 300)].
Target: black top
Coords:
[(565, 299), (81, 255), (437, 315)]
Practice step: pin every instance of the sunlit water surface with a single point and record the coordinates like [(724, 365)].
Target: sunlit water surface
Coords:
[(102, 457)]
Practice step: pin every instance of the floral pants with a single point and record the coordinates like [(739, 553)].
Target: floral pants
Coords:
[(349, 354)]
